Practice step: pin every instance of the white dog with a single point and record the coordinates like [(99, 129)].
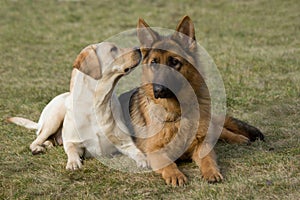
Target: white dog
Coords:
[(90, 115), (49, 125), (93, 125)]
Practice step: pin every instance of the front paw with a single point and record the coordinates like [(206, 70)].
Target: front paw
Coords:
[(74, 164), (174, 178), (141, 160), (212, 175)]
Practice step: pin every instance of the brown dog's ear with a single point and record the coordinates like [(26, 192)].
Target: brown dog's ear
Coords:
[(88, 63), (186, 27), (145, 34), (185, 32)]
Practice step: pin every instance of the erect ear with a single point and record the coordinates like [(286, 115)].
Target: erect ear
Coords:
[(185, 33), (145, 34), (88, 63)]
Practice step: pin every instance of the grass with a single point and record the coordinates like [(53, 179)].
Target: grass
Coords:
[(255, 45)]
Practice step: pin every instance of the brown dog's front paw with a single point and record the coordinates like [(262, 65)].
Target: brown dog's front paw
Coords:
[(212, 176), (174, 178)]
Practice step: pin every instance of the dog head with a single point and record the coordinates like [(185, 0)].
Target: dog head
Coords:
[(177, 52), (105, 59)]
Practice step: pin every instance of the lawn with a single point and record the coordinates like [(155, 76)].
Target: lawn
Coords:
[(255, 45)]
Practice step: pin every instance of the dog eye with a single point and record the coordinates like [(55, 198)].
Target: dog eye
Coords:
[(113, 49), (175, 63), (154, 61)]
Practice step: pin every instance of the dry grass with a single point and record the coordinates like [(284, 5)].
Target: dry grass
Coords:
[(255, 44)]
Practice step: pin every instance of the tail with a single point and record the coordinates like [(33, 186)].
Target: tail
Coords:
[(242, 128), (23, 122)]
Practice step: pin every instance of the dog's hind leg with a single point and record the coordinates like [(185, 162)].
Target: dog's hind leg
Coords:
[(233, 138), (48, 129), (242, 128), (50, 122)]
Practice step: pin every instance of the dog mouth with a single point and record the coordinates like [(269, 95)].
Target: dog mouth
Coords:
[(130, 69), (137, 57)]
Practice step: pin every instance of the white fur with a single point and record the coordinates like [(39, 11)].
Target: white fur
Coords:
[(90, 113), (49, 122), (93, 124)]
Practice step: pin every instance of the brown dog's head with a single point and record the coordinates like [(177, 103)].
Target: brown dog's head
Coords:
[(177, 52)]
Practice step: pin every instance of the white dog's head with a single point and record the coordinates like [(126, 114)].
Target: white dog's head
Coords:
[(106, 59)]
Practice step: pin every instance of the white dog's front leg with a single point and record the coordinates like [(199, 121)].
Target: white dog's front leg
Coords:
[(133, 152), (74, 152), (140, 159)]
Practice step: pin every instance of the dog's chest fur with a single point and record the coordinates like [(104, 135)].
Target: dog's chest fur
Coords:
[(162, 126)]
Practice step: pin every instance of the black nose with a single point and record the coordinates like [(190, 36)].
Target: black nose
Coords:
[(161, 91)]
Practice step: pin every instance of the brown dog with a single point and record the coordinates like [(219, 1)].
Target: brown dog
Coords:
[(155, 106)]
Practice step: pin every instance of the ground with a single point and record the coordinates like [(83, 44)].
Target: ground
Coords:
[(255, 45)]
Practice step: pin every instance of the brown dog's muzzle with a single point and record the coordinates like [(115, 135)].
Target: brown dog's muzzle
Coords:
[(161, 91)]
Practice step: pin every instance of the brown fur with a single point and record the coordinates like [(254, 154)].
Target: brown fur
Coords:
[(143, 108), (88, 63)]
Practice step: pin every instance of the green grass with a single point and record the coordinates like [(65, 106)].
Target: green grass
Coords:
[(255, 45)]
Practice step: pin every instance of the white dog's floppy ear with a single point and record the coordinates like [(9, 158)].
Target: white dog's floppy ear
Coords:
[(88, 63)]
